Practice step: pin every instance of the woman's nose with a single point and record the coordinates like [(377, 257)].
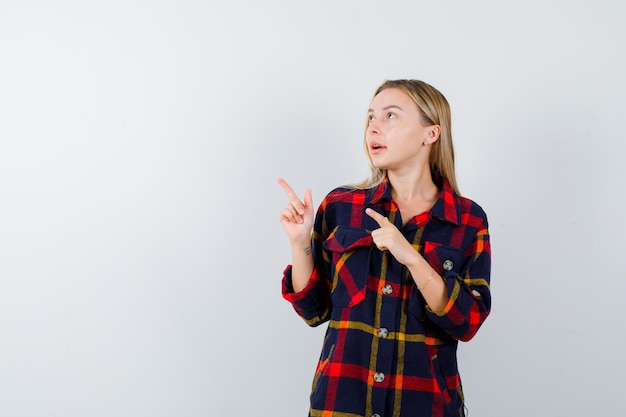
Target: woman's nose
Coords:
[(372, 128)]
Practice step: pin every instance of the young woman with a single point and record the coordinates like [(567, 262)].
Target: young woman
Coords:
[(398, 265)]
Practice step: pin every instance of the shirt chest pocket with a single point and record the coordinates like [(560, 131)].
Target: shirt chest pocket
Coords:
[(447, 261), (350, 252)]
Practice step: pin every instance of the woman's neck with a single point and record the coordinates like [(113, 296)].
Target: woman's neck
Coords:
[(417, 186)]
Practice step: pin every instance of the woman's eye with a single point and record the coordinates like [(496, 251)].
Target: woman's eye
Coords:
[(391, 116), (370, 118)]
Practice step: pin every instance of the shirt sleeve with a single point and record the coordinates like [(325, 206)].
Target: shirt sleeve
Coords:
[(468, 291), (313, 302)]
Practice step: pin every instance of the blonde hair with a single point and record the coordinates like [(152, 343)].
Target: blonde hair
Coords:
[(435, 110)]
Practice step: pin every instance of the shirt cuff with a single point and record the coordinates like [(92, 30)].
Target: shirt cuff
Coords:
[(463, 314), (302, 296)]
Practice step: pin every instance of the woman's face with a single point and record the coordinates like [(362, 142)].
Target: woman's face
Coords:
[(395, 134)]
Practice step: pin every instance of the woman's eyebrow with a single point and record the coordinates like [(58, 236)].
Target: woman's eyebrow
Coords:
[(392, 106)]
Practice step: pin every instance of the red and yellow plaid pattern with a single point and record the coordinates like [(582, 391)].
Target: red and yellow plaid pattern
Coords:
[(386, 353)]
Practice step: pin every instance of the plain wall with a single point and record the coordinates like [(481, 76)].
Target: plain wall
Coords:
[(140, 142)]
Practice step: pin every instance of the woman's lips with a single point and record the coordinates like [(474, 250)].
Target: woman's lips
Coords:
[(376, 148)]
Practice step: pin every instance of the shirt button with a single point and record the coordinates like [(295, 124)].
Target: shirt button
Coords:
[(476, 293), (375, 415), (379, 377), (387, 289), (448, 265), (382, 332)]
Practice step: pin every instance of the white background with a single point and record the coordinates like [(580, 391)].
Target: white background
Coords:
[(140, 142)]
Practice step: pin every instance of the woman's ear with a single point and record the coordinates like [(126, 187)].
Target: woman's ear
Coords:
[(433, 133)]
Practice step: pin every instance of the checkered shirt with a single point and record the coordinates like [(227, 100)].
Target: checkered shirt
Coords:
[(386, 353)]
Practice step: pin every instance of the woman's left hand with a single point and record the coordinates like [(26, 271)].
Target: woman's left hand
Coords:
[(388, 237)]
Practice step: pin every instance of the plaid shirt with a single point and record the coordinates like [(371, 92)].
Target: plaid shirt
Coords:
[(386, 353)]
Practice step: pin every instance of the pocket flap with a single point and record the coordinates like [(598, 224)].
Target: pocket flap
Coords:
[(343, 239), (446, 260)]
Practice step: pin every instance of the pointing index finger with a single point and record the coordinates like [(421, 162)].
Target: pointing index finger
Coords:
[(287, 188), (293, 197), (380, 219)]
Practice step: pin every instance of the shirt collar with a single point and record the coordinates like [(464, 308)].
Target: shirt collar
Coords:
[(382, 192), (446, 208)]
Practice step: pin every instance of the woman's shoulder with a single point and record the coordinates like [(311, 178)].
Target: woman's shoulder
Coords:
[(342, 202), (472, 211), (345, 194)]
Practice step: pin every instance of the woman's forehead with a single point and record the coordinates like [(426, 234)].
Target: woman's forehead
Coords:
[(392, 97)]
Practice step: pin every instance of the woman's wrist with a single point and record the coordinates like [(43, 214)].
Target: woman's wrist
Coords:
[(427, 281), (301, 246)]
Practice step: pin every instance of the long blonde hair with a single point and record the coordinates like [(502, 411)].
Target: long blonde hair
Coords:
[(435, 110)]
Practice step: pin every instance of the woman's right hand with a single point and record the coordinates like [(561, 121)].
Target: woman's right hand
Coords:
[(297, 216)]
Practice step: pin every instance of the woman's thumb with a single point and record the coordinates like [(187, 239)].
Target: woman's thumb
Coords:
[(308, 199)]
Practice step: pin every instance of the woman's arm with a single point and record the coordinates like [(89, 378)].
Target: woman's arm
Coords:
[(388, 237), (297, 220)]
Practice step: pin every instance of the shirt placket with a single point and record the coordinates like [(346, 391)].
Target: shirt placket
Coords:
[(389, 305)]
